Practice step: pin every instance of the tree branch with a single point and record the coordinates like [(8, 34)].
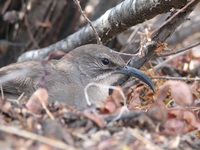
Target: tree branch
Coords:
[(162, 33), (113, 22)]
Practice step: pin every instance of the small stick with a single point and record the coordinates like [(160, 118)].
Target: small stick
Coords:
[(2, 94), (36, 137), (167, 60), (47, 110), (173, 16), (90, 23), (179, 51), (176, 78)]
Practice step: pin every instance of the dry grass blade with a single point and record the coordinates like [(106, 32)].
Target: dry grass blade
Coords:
[(47, 111), (2, 94), (144, 140), (36, 137)]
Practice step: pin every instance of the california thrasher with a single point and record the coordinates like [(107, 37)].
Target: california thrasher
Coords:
[(67, 77)]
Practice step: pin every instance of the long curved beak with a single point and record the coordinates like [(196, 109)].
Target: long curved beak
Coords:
[(136, 73)]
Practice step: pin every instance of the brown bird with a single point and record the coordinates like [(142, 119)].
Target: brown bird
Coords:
[(67, 77)]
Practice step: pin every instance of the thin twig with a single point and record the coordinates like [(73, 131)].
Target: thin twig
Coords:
[(19, 98), (17, 101), (90, 23), (36, 137), (128, 115), (179, 51), (173, 16), (133, 34), (5, 7), (47, 110), (9, 43), (30, 33), (42, 84), (176, 78), (168, 60), (126, 54), (2, 94)]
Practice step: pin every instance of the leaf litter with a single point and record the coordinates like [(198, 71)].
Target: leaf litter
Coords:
[(168, 119)]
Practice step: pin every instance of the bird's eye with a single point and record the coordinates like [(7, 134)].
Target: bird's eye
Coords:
[(105, 61)]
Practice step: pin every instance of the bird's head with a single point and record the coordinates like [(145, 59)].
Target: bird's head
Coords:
[(101, 65)]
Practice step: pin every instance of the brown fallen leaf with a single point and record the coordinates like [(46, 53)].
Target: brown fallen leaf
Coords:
[(180, 121), (95, 117), (34, 103), (109, 107), (180, 91), (173, 127), (111, 103), (158, 112), (195, 89)]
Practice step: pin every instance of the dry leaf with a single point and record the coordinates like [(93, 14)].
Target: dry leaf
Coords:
[(109, 107), (180, 91), (158, 111), (111, 103), (95, 117), (195, 89), (34, 103), (173, 127), (180, 121)]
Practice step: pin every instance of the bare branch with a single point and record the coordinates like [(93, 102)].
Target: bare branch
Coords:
[(113, 22), (175, 78), (162, 33), (179, 51)]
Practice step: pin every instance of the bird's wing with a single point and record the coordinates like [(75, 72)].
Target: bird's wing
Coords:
[(20, 77)]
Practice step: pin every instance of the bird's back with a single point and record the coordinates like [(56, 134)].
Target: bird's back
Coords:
[(21, 78), (59, 84)]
